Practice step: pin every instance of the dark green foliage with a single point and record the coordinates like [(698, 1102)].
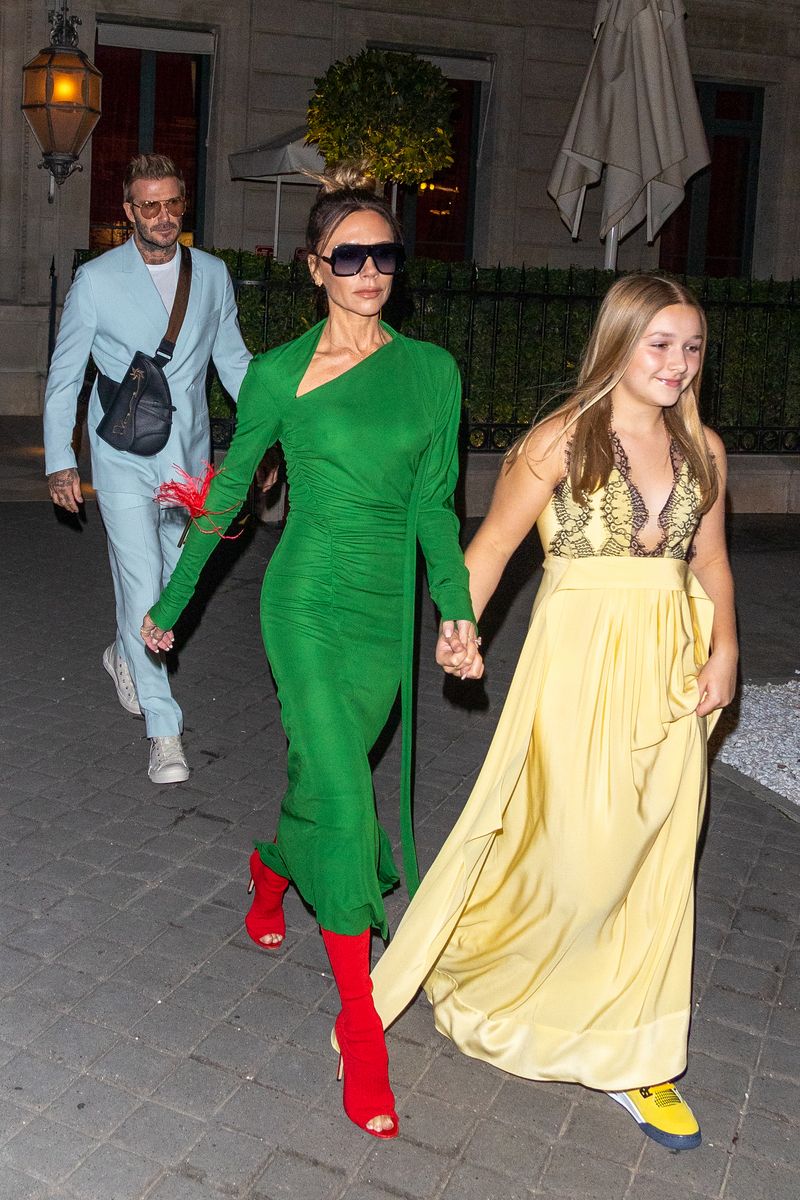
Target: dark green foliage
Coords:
[(751, 388), (277, 302), (518, 333), (389, 111)]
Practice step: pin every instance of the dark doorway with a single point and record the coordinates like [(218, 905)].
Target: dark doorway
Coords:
[(437, 216), (152, 101), (711, 233)]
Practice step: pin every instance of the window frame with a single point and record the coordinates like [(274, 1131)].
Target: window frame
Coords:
[(698, 191)]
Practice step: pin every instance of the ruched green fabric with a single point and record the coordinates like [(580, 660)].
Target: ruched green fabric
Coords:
[(372, 463)]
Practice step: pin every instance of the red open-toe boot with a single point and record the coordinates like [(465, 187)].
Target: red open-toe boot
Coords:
[(363, 1060), (266, 912)]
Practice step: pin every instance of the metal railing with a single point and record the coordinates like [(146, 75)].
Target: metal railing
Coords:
[(517, 336)]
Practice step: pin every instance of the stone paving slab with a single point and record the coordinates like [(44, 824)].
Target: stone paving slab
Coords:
[(148, 1051)]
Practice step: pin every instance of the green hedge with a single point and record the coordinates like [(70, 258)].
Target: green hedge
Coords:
[(517, 334)]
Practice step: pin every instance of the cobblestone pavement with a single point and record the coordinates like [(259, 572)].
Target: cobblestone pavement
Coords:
[(148, 1050)]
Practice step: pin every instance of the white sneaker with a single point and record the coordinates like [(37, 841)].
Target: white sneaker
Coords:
[(167, 760), (118, 670)]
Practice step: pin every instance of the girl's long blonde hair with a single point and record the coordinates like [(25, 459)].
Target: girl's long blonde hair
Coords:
[(629, 306)]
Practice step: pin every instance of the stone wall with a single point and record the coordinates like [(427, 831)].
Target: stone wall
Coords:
[(268, 54)]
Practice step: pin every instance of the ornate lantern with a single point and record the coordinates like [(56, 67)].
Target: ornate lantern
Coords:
[(61, 97)]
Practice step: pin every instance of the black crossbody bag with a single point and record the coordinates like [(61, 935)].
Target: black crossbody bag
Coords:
[(138, 411)]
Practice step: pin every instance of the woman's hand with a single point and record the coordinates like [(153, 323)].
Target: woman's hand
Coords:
[(457, 649), (154, 638), (717, 682)]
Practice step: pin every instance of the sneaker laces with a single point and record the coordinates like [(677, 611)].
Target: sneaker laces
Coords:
[(166, 748), (664, 1095), (125, 680)]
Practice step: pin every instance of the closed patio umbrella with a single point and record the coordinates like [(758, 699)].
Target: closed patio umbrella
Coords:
[(637, 118)]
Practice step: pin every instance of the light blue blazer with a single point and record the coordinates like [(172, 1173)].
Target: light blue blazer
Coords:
[(112, 310)]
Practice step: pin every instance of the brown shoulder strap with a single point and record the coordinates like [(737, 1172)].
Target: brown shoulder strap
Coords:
[(167, 347)]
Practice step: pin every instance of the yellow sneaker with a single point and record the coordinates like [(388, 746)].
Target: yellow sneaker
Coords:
[(663, 1114)]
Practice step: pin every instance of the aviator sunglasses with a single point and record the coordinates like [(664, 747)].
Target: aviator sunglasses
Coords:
[(349, 258), (175, 206)]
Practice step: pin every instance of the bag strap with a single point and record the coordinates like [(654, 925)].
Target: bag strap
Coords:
[(167, 347)]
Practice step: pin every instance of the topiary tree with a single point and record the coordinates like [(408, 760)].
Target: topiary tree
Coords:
[(389, 111)]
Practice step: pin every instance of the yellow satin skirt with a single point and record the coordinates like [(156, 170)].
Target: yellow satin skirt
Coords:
[(553, 934)]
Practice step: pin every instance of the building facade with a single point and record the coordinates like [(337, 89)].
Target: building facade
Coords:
[(214, 78)]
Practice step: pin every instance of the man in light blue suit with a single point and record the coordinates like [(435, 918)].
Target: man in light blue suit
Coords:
[(118, 304)]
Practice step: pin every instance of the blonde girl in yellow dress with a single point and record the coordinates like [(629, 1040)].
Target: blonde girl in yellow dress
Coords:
[(553, 934)]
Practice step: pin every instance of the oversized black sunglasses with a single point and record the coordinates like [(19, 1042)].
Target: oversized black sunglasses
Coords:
[(349, 258)]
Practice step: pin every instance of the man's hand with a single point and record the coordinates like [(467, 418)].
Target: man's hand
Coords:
[(65, 489)]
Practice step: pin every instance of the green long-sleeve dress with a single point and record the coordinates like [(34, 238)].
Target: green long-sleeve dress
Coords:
[(372, 463)]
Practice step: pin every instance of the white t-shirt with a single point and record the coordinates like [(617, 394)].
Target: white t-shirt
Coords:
[(165, 277)]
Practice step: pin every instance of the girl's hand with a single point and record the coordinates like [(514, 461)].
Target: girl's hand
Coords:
[(717, 682), (457, 650), (154, 638)]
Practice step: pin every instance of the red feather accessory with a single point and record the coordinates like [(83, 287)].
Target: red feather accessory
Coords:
[(191, 493)]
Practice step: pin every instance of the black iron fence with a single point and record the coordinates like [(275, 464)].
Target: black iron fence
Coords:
[(517, 335)]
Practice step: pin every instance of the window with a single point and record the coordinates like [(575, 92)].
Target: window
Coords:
[(153, 100), (711, 233), (437, 216)]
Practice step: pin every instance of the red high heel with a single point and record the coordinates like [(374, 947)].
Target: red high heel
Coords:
[(363, 1060), (266, 912)]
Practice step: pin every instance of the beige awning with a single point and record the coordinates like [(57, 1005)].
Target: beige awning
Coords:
[(285, 157)]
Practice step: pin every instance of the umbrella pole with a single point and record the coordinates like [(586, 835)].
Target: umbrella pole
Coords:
[(277, 217), (612, 245), (576, 224)]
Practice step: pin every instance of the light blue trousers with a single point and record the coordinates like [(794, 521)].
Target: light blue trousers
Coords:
[(143, 550)]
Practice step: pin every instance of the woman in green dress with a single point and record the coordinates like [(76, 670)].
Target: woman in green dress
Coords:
[(368, 422)]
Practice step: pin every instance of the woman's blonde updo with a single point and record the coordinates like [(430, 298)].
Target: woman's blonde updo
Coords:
[(345, 188), (350, 173)]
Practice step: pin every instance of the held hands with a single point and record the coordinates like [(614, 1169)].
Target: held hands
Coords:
[(154, 638), (717, 682), (65, 489), (457, 650)]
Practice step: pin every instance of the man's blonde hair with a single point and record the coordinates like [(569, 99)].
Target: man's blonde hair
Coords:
[(150, 166)]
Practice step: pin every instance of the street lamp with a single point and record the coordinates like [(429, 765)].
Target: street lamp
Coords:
[(61, 97)]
